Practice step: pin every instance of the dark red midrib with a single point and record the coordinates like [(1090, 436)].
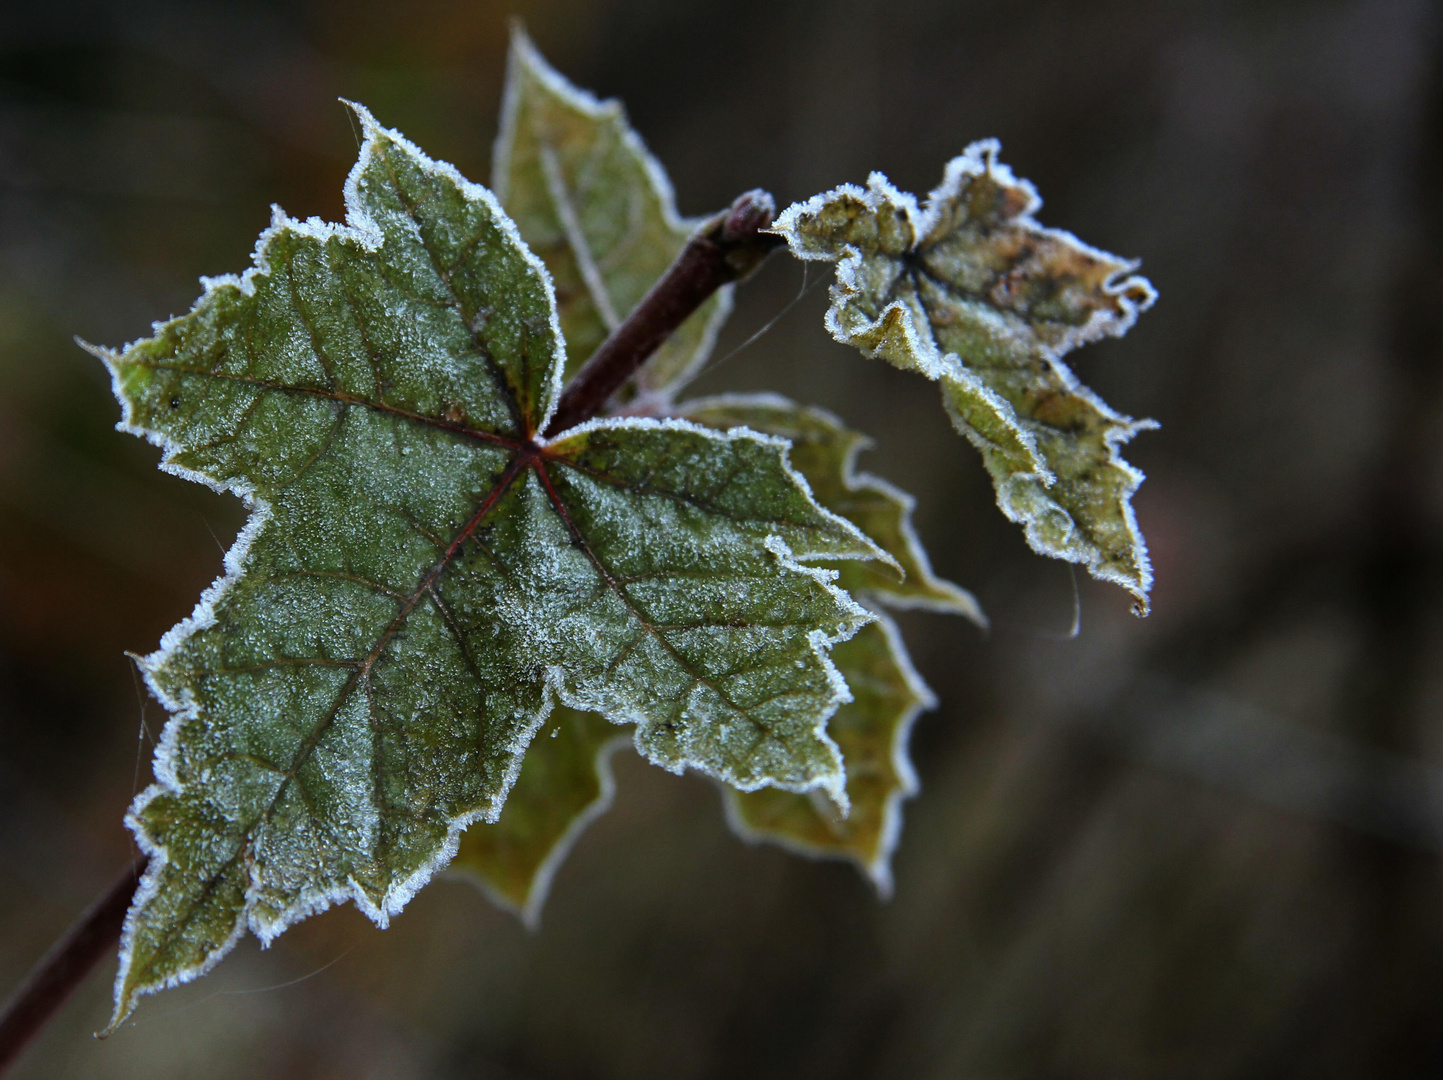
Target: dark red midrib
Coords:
[(363, 670), (539, 464)]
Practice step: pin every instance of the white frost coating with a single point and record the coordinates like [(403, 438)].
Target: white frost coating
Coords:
[(867, 549), (362, 229), (181, 710), (962, 602), (1014, 512), (878, 869), (835, 785), (399, 894), (525, 59), (530, 912), (145, 892), (832, 783)]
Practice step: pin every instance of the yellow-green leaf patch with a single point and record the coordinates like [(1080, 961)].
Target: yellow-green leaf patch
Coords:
[(824, 450), (598, 208), (564, 783), (872, 731)]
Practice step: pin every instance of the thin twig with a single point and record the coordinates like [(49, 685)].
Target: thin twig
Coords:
[(64, 967), (726, 248)]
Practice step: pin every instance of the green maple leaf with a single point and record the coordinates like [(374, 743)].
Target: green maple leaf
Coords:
[(598, 209), (564, 783), (969, 290), (872, 731), (422, 576)]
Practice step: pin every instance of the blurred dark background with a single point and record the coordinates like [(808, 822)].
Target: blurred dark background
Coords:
[(1205, 844)]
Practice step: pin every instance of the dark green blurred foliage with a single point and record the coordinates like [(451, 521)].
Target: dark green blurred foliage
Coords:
[(1204, 844)]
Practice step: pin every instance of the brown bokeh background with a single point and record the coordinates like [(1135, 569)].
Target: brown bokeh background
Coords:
[(1206, 844)]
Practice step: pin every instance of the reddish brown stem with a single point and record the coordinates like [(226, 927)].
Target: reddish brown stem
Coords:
[(726, 248), (52, 981)]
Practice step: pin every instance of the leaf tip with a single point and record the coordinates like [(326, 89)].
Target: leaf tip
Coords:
[(124, 1006), (370, 126), (126, 993), (100, 352), (520, 46), (1135, 294), (111, 1028)]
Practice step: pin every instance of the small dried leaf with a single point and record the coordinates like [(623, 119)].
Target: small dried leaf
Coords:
[(969, 290)]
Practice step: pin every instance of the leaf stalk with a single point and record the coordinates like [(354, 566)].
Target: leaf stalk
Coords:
[(52, 981), (727, 247)]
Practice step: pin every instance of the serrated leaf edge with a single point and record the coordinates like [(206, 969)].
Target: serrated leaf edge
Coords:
[(867, 547), (963, 602), (821, 642), (879, 869), (523, 51)]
